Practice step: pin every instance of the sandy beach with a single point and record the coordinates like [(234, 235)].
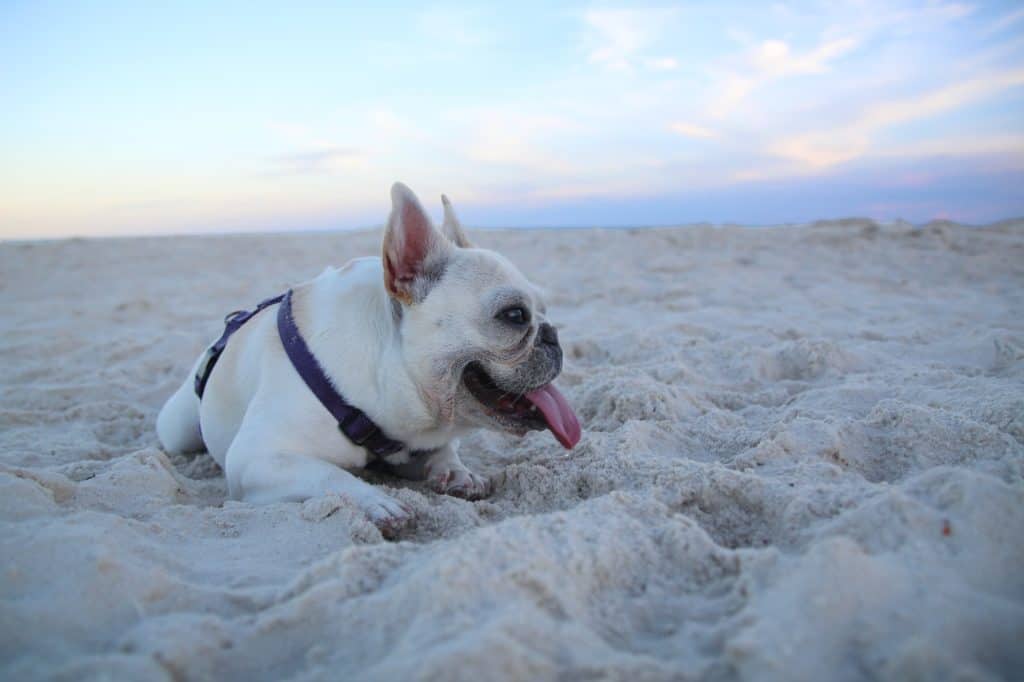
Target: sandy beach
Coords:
[(802, 459)]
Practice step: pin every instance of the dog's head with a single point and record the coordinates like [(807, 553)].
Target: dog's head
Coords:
[(475, 337)]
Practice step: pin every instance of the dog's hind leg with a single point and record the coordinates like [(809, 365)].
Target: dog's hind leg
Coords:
[(177, 425)]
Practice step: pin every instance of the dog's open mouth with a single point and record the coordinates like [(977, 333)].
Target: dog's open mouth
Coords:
[(541, 408)]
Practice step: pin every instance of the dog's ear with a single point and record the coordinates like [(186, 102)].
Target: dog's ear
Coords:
[(414, 252), (451, 228)]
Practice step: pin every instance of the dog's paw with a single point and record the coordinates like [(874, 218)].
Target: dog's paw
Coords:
[(460, 482), (388, 514)]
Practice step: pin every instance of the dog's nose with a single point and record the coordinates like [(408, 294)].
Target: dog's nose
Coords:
[(548, 334)]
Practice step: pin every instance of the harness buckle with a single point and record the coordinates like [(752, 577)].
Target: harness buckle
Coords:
[(234, 315), (385, 447), (363, 430)]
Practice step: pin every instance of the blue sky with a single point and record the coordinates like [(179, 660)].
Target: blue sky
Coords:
[(129, 118)]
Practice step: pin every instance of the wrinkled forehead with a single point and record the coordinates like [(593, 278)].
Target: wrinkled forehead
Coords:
[(486, 273)]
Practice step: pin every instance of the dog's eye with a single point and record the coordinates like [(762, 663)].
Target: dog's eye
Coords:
[(515, 314)]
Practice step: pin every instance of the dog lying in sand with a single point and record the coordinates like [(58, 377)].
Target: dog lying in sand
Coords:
[(385, 360)]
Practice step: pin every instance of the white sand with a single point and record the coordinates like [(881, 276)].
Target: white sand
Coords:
[(803, 458)]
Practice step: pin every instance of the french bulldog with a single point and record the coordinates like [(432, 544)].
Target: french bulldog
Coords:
[(430, 340)]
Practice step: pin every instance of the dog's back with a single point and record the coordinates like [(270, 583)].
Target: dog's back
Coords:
[(235, 377)]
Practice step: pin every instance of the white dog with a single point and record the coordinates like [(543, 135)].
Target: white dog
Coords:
[(385, 360)]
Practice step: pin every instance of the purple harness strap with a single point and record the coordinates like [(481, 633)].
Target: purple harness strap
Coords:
[(232, 323), (352, 421), (359, 428)]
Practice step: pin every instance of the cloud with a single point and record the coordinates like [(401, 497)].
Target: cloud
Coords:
[(826, 148), (732, 90), (661, 63), (773, 60), (299, 135), (389, 126), (943, 99), (315, 161), (761, 63), (1011, 145), (950, 10), (692, 130), (451, 26), (620, 39), (314, 152), (1004, 22), (516, 138)]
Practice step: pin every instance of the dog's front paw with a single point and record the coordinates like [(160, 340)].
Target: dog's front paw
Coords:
[(460, 482), (388, 514)]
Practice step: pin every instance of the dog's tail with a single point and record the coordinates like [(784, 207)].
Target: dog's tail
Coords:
[(177, 425)]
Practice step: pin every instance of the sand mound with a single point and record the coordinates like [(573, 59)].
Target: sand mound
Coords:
[(803, 458)]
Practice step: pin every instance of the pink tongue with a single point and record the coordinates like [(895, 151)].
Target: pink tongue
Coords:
[(560, 418)]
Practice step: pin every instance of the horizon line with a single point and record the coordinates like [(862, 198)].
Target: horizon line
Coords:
[(513, 228)]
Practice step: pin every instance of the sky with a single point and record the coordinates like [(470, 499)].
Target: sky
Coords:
[(205, 117)]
